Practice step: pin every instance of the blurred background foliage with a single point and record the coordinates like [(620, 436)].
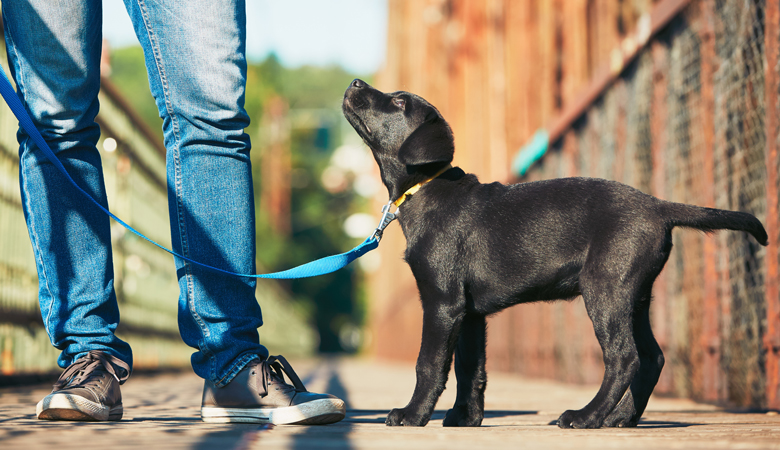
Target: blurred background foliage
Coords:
[(296, 119)]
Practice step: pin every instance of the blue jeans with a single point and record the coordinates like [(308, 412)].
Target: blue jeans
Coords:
[(195, 57)]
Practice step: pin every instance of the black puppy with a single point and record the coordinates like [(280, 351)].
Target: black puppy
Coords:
[(475, 249)]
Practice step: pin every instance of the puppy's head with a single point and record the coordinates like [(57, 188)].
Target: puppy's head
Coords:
[(408, 136)]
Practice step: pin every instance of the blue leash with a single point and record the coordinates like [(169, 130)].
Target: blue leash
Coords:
[(315, 268)]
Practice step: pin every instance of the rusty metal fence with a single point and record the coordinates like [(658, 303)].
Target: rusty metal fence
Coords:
[(691, 115), (686, 121)]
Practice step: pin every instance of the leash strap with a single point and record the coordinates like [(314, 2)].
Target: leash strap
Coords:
[(312, 269)]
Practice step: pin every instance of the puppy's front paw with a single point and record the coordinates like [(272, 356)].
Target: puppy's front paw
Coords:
[(402, 417), (621, 419), (578, 419), (459, 416)]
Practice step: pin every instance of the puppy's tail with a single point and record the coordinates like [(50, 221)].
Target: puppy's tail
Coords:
[(710, 219)]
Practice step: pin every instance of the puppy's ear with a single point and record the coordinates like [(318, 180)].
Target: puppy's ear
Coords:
[(431, 142)]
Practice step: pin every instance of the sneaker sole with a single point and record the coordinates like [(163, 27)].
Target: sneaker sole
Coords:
[(315, 412), (74, 407)]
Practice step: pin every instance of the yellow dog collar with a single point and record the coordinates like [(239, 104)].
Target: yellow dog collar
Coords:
[(388, 217), (416, 187)]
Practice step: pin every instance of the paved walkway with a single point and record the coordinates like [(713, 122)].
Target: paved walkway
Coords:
[(162, 411)]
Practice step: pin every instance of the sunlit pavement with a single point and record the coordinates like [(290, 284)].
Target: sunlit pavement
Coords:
[(162, 411)]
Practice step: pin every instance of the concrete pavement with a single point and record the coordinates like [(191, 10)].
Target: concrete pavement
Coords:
[(162, 411)]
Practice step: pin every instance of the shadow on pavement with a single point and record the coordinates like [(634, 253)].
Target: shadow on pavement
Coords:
[(237, 437), (17, 418), (649, 425), (368, 415), (166, 419), (492, 414), (337, 433)]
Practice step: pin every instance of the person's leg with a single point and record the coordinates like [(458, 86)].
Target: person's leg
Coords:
[(195, 57), (54, 55)]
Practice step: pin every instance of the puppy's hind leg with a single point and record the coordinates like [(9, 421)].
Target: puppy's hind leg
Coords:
[(610, 308), (651, 360), (469, 408)]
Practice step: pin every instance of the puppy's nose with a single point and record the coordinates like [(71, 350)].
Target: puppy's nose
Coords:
[(358, 83)]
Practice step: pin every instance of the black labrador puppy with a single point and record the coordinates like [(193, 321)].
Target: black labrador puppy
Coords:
[(475, 249)]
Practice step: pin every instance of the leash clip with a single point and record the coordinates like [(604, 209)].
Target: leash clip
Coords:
[(387, 217)]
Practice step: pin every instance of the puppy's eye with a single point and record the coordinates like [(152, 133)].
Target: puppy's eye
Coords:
[(399, 102)]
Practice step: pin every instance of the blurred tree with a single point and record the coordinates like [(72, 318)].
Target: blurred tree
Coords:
[(128, 72)]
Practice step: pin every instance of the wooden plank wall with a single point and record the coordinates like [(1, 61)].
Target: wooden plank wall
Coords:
[(499, 70)]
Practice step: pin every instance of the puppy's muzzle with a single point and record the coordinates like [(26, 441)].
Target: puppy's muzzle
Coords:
[(357, 83)]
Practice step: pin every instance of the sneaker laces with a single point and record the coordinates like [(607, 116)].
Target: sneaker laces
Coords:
[(81, 371), (273, 369)]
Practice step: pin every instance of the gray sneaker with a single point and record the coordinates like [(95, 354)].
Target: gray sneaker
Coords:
[(259, 394), (87, 390)]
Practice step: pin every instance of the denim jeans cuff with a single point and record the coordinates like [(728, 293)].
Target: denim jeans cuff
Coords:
[(237, 367)]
